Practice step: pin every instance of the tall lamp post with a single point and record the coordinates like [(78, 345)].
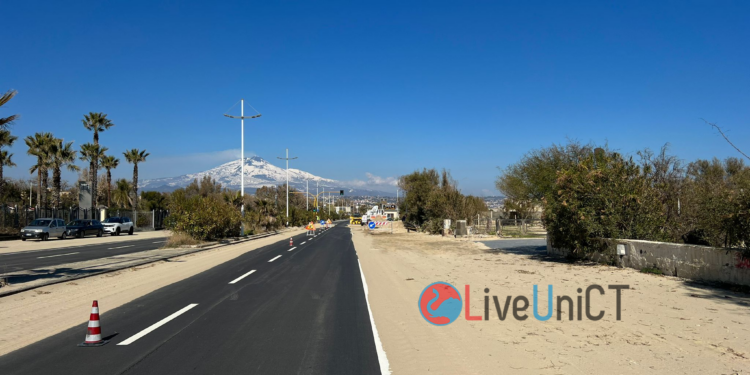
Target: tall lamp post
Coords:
[(287, 183), (242, 158)]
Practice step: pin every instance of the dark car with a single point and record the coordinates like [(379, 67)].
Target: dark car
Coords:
[(82, 228)]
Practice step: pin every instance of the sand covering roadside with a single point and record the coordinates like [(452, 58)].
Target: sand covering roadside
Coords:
[(667, 326), (55, 308)]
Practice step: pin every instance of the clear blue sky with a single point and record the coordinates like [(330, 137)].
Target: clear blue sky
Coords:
[(379, 87)]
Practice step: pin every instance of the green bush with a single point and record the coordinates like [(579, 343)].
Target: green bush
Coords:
[(602, 196), (589, 194), (203, 218), (432, 197)]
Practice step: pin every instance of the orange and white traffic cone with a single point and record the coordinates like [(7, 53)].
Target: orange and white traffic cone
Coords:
[(94, 334), (291, 242)]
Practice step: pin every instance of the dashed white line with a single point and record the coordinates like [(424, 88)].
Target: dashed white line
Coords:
[(120, 247), (303, 243), (242, 277), (159, 242), (58, 255), (157, 325), (287, 250), (274, 259)]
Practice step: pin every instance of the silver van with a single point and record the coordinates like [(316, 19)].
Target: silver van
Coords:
[(43, 229)]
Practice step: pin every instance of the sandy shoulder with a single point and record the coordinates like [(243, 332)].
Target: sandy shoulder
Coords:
[(667, 326), (61, 306)]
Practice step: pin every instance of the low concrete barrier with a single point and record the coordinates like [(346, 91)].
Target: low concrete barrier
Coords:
[(694, 262)]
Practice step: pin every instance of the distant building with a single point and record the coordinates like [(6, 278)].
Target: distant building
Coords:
[(391, 211), (343, 209)]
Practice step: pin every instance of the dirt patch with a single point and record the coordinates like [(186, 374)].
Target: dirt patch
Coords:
[(667, 325)]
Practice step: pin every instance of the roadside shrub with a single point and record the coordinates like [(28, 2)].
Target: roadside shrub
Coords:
[(595, 194), (178, 239), (603, 196), (432, 197), (203, 218)]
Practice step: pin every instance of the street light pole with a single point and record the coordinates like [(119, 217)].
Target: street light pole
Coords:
[(242, 158), (287, 183)]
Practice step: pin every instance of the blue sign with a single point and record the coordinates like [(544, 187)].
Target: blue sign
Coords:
[(322, 222), (371, 225)]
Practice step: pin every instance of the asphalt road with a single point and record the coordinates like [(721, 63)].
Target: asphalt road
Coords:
[(526, 246), (31, 259), (300, 312)]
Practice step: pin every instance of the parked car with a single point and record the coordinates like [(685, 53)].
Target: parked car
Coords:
[(43, 229), (82, 228), (117, 225)]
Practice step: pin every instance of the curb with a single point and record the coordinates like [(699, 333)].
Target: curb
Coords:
[(203, 247)]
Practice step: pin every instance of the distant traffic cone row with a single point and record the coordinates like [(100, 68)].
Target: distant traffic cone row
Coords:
[(94, 334)]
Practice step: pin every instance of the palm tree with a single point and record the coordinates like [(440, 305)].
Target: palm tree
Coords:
[(63, 156), (121, 194), (96, 122), (39, 145), (109, 163), (134, 157), (92, 153), (6, 139), (5, 122)]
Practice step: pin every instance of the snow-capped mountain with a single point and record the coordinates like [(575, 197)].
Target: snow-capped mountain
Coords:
[(258, 173)]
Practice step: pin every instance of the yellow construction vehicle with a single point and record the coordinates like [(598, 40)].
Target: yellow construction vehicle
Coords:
[(355, 219)]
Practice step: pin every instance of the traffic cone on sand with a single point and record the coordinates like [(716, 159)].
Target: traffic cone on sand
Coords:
[(94, 334)]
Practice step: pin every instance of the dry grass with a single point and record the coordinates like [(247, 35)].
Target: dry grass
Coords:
[(179, 240)]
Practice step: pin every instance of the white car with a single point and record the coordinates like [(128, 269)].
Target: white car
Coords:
[(117, 225)]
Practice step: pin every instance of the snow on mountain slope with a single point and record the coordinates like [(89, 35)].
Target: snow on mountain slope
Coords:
[(258, 173)]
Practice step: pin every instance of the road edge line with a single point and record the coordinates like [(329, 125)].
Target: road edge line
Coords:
[(385, 367)]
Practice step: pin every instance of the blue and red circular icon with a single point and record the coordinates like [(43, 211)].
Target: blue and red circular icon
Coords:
[(440, 303)]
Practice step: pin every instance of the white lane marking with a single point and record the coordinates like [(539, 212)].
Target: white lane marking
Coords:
[(385, 367), (159, 242), (289, 250), (59, 255), (157, 325), (242, 277), (274, 259), (303, 243), (120, 247)]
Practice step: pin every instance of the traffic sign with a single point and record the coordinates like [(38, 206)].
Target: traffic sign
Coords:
[(322, 222), (371, 225)]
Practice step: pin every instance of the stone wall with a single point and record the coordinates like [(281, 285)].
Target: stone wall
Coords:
[(688, 261)]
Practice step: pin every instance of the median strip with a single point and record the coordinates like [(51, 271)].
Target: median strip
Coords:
[(242, 277), (156, 325)]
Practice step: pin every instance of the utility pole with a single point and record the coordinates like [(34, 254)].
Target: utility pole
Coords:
[(242, 158), (287, 183)]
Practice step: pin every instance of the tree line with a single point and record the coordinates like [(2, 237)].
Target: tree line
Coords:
[(205, 210), (433, 196), (55, 155), (590, 193)]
